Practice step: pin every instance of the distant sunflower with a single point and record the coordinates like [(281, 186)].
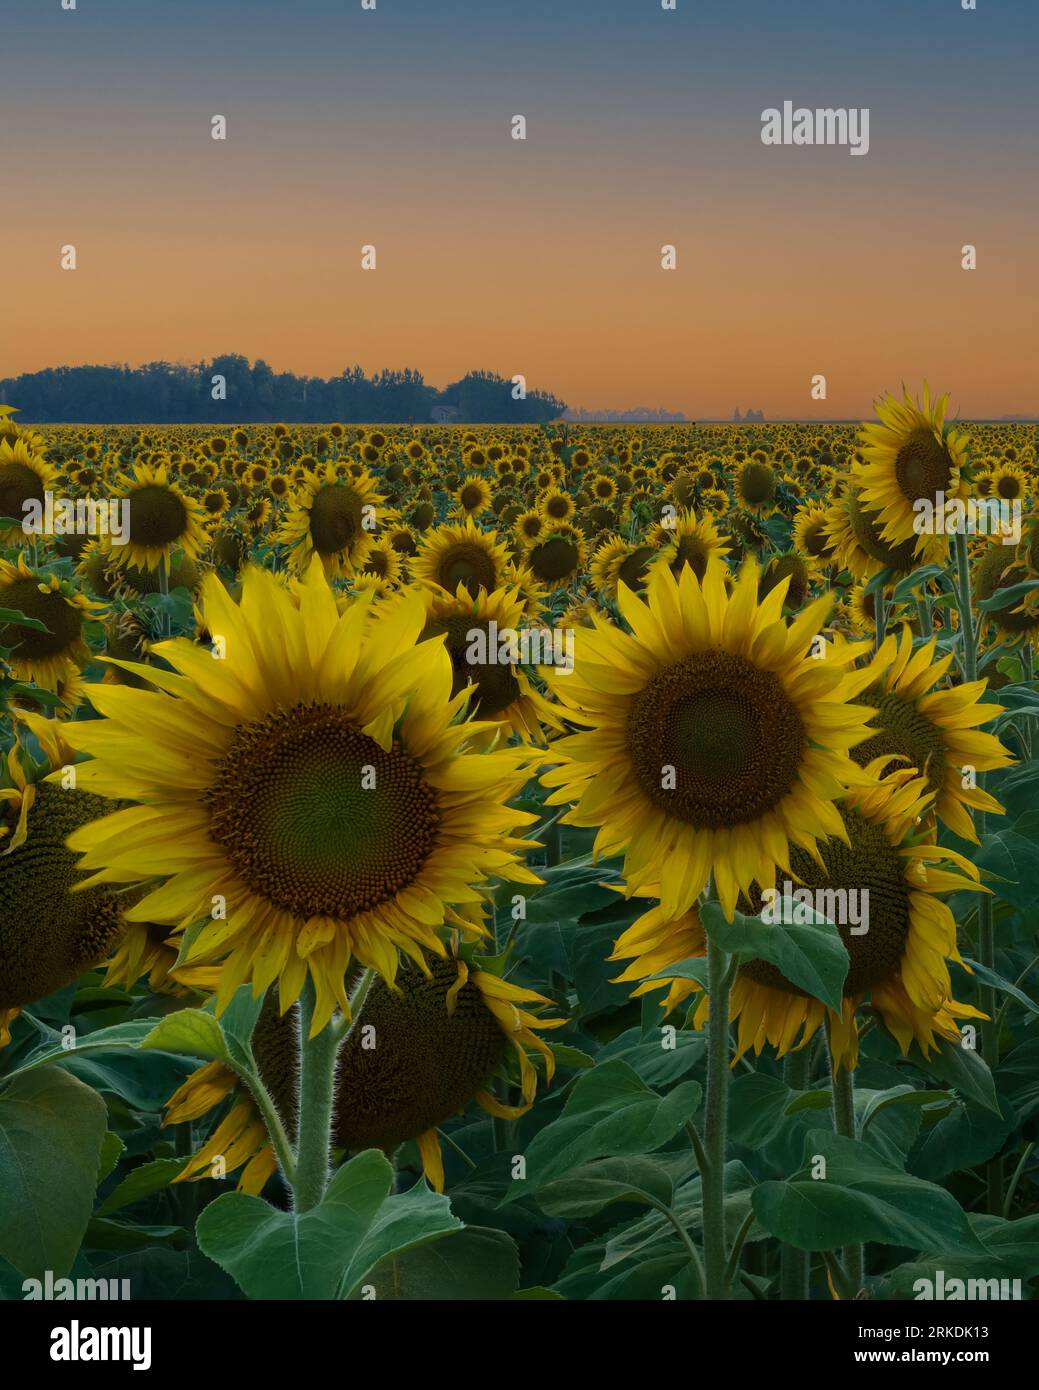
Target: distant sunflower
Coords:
[(715, 739), (617, 561), (909, 457), (1008, 482), (931, 730), (756, 484), (473, 497), (556, 505), (689, 540), (474, 631), (811, 538), (557, 557), (529, 525), (314, 779), (335, 519), (162, 518), (461, 554), (857, 543)]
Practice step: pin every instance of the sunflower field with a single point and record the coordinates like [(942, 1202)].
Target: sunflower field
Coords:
[(548, 862)]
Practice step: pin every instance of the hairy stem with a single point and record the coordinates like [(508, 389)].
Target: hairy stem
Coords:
[(794, 1263), (317, 1067), (716, 1121)]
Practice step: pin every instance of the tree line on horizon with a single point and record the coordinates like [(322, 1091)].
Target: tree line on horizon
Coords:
[(159, 393)]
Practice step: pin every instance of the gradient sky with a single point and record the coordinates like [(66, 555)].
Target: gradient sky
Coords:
[(391, 127)]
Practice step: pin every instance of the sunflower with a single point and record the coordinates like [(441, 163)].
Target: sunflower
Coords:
[(50, 655), (557, 557), (443, 1035), (855, 538), (790, 566), (715, 739), (473, 496), (383, 562), (931, 730), (1009, 483), (755, 486), (690, 540), (316, 784), (24, 477), (528, 526), (48, 934), (1001, 567), (333, 518), (909, 458), (556, 505), (162, 518), (811, 538), (473, 630), (617, 561), (215, 502), (899, 964), (461, 554), (603, 488)]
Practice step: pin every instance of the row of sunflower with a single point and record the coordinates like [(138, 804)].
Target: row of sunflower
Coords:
[(269, 773)]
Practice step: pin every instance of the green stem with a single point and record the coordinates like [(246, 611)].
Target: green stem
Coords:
[(716, 1114), (698, 1148), (986, 926), (841, 1282), (317, 1066), (844, 1124), (1018, 1171), (164, 588), (880, 615), (276, 1131), (737, 1247), (923, 612), (343, 1025), (793, 1263), (687, 1241)]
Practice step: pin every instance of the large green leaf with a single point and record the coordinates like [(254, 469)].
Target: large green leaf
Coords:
[(326, 1251), (646, 1233), (1013, 857), (193, 1032), (401, 1224), (52, 1128), (862, 1197), (967, 1135), (610, 1111), (1011, 1252), (810, 955), (590, 1187), (475, 1264), (961, 1068), (123, 1035), (143, 1181)]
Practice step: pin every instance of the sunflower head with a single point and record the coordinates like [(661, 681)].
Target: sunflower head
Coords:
[(461, 554), (710, 743), (53, 647), (24, 477), (49, 934), (162, 518), (318, 780), (909, 457)]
